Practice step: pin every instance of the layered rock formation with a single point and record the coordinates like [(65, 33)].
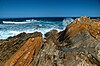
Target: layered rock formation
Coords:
[(11, 45), (77, 45), (82, 36)]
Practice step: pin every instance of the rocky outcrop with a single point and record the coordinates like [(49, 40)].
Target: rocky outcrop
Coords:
[(79, 25), (77, 45), (82, 35), (24, 55), (10, 46)]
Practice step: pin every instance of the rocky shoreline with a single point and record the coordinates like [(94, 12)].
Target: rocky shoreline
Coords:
[(77, 45)]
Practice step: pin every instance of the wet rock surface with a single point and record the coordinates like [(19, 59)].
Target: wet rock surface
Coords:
[(77, 45)]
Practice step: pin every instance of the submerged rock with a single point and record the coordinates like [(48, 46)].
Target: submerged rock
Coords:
[(77, 45)]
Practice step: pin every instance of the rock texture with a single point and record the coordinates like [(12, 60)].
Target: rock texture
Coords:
[(77, 45), (11, 45), (24, 55), (82, 36)]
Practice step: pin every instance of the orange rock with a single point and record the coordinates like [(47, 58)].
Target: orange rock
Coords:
[(25, 54), (80, 24), (84, 23)]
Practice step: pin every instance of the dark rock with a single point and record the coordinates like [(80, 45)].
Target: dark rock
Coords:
[(36, 34), (52, 32), (52, 36)]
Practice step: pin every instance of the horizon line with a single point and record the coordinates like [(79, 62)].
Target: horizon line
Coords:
[(51, 17)]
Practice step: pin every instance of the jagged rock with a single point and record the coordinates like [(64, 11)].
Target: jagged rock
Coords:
[(82, 20), (83, 24), (36, 34), (52, 36), (84, 34), (77, 45), (52, 32), (9, 46), (78, 51), (22, 35), (24, 55)]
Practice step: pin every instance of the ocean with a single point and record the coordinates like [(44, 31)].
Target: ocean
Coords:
[(12, 28)]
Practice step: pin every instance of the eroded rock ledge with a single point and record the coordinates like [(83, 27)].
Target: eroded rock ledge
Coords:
[(77, 45)]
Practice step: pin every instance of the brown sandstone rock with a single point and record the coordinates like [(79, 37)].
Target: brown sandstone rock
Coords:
[(9, 46), (24, 55)]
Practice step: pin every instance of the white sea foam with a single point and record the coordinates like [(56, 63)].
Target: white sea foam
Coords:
[(11, 29), (9, 22), (5, 34)]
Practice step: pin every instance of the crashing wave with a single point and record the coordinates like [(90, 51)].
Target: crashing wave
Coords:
[(11, 29), (9, 33), (67, 21)]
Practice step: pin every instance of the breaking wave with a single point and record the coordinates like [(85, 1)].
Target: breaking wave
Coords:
[(9, 22), (67, 21), (11, 28)]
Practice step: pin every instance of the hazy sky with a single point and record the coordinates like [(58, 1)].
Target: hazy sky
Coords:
[(49, 8)]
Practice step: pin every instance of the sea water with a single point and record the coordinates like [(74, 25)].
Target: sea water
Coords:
[(14, 28)]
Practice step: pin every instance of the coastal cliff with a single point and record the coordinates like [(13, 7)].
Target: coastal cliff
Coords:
[(77, 45)]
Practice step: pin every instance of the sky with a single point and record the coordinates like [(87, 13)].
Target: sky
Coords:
[(49, 8)]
